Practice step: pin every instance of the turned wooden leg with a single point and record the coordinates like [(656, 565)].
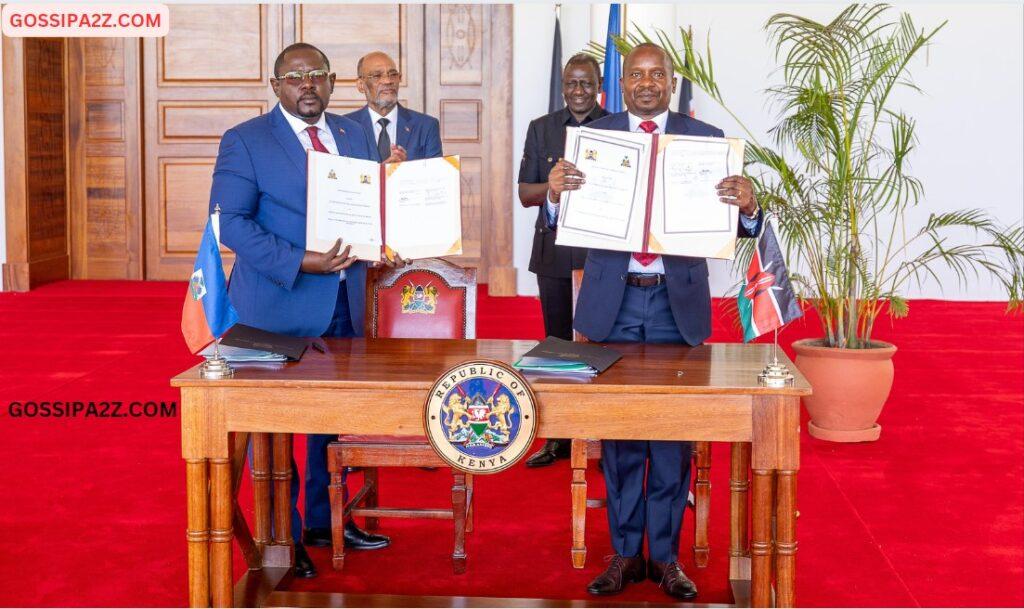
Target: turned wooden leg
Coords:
[(370, 501), (785, 538), (761, 543), (282, 475), (739, 532), (338, 494), (221, 511), (261, 488), (469, 503), (702, 500), (198, 532), (578, 461), (459, 515)]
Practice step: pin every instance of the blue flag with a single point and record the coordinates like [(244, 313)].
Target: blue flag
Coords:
[(207, 313), (611, 95)]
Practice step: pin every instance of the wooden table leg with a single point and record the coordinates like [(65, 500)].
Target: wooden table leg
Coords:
[(221, 511), (261, 488), (198, 533), (739, 532), (459, 516), (785, 538), (702, 504), (578, 462), (761, 543), (282, 490)]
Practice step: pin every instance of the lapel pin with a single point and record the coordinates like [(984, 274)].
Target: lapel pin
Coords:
[(341, 131)]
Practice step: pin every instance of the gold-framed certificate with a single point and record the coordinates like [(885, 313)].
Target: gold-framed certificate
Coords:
[(650, 193), (413, 208)]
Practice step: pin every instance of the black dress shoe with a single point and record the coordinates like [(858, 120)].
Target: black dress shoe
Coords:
[(620, 571), (317, 537), (670, 578), (552, 451), (358, 539), (304, 567)]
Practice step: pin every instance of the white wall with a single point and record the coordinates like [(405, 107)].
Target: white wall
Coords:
[(970, 120)]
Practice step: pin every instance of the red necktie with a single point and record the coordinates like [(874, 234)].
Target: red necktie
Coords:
[(317, 144), (645, 259)]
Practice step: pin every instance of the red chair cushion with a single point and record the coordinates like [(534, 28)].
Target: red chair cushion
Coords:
[(420, 305)]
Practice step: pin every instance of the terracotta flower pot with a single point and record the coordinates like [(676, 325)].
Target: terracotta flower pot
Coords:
[(850, 388)]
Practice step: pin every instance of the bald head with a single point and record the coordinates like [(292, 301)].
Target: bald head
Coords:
[(379, 80), (650, 48)]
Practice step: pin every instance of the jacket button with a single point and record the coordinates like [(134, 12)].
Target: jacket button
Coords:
[(550, 159), (622, 277)]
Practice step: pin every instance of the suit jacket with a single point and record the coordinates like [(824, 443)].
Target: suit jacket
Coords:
[(418, 133), (259, 182), (545, 144), (686, 278)]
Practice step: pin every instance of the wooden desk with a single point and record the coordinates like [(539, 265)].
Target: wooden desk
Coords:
[(655, 392)]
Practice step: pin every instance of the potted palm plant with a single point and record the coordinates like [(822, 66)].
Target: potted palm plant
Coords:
[(835, 177)]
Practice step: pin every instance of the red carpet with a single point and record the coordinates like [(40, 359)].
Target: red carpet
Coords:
[(92, 509)]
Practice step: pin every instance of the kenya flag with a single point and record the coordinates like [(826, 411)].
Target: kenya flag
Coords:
[(766, 300)]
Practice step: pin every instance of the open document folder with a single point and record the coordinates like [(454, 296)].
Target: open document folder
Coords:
[(650, 193)]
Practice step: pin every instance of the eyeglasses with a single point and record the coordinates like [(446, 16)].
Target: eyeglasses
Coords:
[(298, 76), (375, 77)]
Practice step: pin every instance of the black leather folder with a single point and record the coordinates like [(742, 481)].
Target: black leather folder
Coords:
[(551, 348), (247, 337)]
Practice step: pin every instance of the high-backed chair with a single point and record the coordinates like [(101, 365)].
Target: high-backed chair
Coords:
[(582, 450), (429, 299)]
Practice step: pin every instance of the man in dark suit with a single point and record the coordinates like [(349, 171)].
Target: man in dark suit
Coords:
[(276, 284), (395, 130), (553, 264), (648, 298)]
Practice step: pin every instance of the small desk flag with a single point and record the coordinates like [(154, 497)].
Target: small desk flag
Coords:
[(766, 301), (207, 313)]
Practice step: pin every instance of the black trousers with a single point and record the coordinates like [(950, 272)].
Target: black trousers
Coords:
[(556, 305)]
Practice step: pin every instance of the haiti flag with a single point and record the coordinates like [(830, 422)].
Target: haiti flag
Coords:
[(207, 313), (766, 301)]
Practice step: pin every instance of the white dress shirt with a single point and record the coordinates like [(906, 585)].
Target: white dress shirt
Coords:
[(392, 124), (299, 126), (656, 265)]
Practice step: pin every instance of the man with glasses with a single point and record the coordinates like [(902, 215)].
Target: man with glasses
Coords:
[(397, 131), (259, 182), (553, 264)]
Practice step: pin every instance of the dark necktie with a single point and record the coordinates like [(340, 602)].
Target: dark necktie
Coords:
[(315, 140), (384, 141), (645, 259)]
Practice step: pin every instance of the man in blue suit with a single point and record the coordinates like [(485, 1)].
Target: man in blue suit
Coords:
[(277, 284), (653, 299), (394, 129)]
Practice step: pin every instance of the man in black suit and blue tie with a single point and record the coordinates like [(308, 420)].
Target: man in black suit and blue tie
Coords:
[(651, 299), (397, 131)]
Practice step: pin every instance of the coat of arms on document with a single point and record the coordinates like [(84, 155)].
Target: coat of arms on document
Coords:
[(481, 417)]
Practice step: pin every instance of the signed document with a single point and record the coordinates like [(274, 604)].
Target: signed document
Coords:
[(650, 193), (608, 212), (413, 208)]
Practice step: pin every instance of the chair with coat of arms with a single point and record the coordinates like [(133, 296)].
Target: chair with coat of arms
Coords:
[(430, 298), (582, 450)]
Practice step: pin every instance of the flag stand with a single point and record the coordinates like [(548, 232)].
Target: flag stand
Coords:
[(216, 367), (775, 374)]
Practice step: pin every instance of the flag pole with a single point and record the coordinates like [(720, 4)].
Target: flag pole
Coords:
[(216, 367), (775, 374)]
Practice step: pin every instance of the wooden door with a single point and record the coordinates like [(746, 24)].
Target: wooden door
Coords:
[(208, 74), (468, 82), (105, 164)]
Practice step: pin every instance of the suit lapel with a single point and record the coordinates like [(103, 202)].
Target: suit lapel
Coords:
[(404, 127), (341, 137), (288, 140), (364, 120), (676, 124), (621, 121)]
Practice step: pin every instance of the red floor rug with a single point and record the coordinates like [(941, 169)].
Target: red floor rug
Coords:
[(92, 509)]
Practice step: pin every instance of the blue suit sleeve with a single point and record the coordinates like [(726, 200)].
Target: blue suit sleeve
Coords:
[(235, 190), (433, 144)]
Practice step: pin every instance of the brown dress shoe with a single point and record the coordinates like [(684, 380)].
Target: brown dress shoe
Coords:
[(620, 572), (670, 577)]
